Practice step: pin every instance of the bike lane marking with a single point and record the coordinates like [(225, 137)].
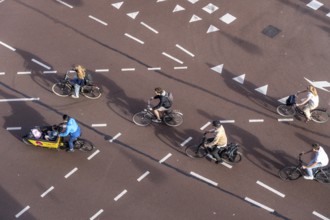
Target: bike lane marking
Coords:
[(64, 3), (270, 189), (101, 70), (93, 155), (47, 191), (13, 128), (150, 28), (185, 50), (50, 71), (71, 172), (204, 179), (259, 204), (256, 120), (180, 67), (186, 141), (98, 20), (143, 176), (165, 158), (120, 195), (7, 46), (204, 126), (134, 38), (172, 57), (19, 99), (115, 137), (23, 72), (320, 216), (99, 125), (21, 212), (40, 64), (285, 119), (96, 214)]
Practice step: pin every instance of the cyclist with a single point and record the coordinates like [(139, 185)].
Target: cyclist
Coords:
[(310, 103), (218, 141), (320, 159), (79, 80), (72, 129), (164, 103)]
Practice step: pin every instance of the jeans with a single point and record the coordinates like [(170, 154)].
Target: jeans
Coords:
[(74, 137), (76, 90), (310, 170)]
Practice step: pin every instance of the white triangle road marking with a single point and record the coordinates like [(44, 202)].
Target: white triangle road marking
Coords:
[(117, 5), (178, 8), (262, 89), (218, 68), (212, 29), (133, 14), (240, 78), (194, 18)]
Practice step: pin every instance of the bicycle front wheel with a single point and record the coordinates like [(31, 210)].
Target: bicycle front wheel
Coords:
[(285, 110), (196, 151), (142, 118), (83, 145), (61, 89), (91, 92), (319, 116), (173, 119), (289, 173), (322, 177)]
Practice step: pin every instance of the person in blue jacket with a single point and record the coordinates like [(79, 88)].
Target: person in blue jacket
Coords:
[(72, 129)]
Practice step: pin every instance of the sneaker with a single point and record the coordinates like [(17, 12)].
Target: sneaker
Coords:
[(308, 177), (75, 97), (70, 150), (156, 120)]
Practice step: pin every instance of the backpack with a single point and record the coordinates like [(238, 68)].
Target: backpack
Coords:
[(169, 96), (291, 100), (88, 79)]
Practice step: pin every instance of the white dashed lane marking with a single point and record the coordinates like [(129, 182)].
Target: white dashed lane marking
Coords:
[(64, 3), (143, 176), (150, 28), (259, 204), (99, 125), (71, 172), (96, 214), (50, 71), (285, 119), (173, 58), (93, 155), (127, 69), (154, 68), (19, 99), (7, 46), (134, 38), (101, 70), (40, 64), (256, 120), (180, 67), (204, 126), (184, 50), (186, 141), (271, 189), (165, 158), (204, 179), (47, 191), (24, 72), (120, 195), (115, 137), (98, 20), (320, 216), (13, 128), (21, 212)]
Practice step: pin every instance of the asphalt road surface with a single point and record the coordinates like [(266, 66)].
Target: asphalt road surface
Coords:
[(234, 61)]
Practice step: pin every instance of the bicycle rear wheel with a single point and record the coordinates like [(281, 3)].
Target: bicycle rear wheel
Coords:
[(91, 92), (319, 116), (83, 145), (237, 157), (322, 177), (195, 151), (173, 119), (61, 89), (289, 173), (285, 110), (142, 118)]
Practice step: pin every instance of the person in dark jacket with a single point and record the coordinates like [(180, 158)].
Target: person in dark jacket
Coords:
[(163, 104)]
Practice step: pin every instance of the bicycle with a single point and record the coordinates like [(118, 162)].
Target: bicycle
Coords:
[(318, 115), (170, 117), (229, 154), (321, 174), (64, 88)]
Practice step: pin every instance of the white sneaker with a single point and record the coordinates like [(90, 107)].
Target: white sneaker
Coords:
[(308, 177), (75, 97)]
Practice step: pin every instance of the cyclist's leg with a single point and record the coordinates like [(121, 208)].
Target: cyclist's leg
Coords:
[(307, 110), (310, 172), (215, 153)]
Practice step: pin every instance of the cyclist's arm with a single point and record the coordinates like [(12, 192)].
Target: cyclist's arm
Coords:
[(310, 166)]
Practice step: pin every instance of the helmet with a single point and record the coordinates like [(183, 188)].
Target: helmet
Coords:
[(216, 123)]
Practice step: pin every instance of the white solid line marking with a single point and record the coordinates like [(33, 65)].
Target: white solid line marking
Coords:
[(150, 28), (13, 128), (120, 195), (71, 172), (101, 70), (47, 191), (128, 69), (96, 214), (173, 58), (184, 50), (99, 125), (204, 179), (180, 67), (19, 99), (21, 212), (165, 158), (41, 64), (320, 216), (24, 72), (64, 3), (186, 141), (256, 120), (6, 45), (115, 137), (134, 38), (285, 119), (204, 126), (98, 20), (227, 121), (51, 71), (270, 189), (93, 155), (142, 176), (154, 68), (259, 204)]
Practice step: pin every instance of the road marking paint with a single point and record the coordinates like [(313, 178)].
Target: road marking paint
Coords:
[(6, 45), (47, 191), (99, 125), (227, 121), (320, 216), (270, 189), (115, 137), (143, 176), (22, 73), (96, 214), (173, 58), (165, 158), (185, 50), (259, 204), (2, 73), (150, 28), (64, 3), (71, 172), (134, 38), (180, 67), (21, 212), (315, 5), (93, 155), (204, 179), (226, 165), (154, 68), (204, 126), (120, 195), (40, 63), (285, 119), (133, 14), (128, 69), (19, 99), (98, 20), (101, 70), (186, 141), (51, 71), (13, 128), (256, 120)]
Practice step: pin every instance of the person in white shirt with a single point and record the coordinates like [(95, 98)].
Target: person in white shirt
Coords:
[(320, 159), (310, 103)]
